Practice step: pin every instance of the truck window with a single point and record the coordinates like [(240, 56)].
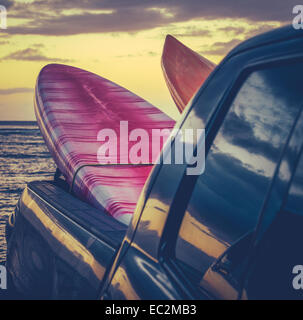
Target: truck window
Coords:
[(276, 271), (227, 198)]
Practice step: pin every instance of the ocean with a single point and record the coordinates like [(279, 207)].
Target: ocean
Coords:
[(24, 157)]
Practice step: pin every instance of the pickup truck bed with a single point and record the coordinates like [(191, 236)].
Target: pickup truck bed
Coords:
[(93, 220), (59, 237)]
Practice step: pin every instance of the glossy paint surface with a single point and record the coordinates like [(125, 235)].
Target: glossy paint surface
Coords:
[(72, 106), (53, 256), (163, 206), (184, 71)]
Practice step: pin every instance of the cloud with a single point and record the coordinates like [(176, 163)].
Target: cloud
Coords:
[(125, 20), (149, 53), (220, 48), (152, 53), (6, 3), (258, 30), (15, 90), (67, 17), (31, 54), (232, 29), (38, 45), (189, 32)]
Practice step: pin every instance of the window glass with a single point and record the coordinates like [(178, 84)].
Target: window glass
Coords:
[(240, 164), (280, 250), (295, 197)]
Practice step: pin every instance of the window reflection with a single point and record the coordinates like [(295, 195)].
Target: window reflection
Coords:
[(240, 164), (295, 197)]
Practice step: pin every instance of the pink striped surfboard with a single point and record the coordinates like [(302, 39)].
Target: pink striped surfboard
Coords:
[(184, 71), (72, 106)]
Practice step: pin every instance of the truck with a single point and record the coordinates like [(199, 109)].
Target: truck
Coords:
[(233, 232)]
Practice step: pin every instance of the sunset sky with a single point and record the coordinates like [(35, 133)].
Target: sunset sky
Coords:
[(120, 40)]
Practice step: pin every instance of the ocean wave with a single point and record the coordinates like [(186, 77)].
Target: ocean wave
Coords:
[(24, 157)]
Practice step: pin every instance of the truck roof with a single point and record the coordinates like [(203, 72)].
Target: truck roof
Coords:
[(277, 35)]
